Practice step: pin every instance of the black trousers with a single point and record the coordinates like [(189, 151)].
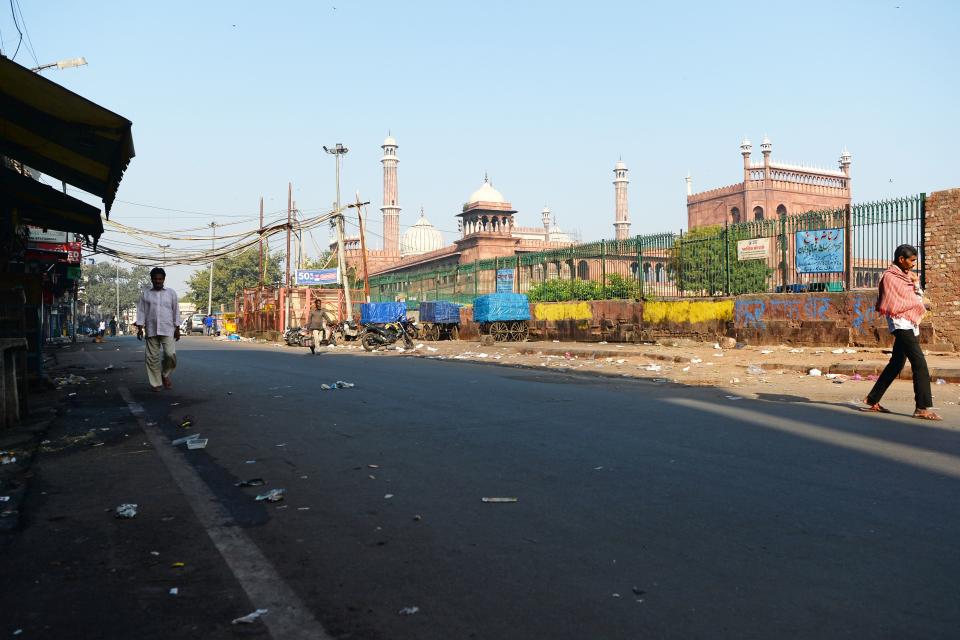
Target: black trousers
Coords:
[(906, 346)]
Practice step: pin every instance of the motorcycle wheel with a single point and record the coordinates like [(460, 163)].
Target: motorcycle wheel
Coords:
[(407, 341), (369, 342)]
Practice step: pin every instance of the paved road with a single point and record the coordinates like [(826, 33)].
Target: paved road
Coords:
[(644, 509)]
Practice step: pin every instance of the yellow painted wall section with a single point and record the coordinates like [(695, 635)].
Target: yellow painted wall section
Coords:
[(563, 311), (693, 312)]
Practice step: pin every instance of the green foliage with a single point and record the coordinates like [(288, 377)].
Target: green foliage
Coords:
[(557, 290), (230, 276), (325, 261), (101, 280), (700, 266)]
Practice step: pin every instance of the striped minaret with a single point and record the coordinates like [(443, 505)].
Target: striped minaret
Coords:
[(391, 202), (622, 224)]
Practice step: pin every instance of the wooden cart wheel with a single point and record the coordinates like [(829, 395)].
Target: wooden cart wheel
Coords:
[(454, 332), (518, 331), (424, 333), (500, 331), (435, 332)]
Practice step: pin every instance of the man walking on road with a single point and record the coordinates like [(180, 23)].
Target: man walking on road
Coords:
[(900, 299), (158, 315), (319, 319)]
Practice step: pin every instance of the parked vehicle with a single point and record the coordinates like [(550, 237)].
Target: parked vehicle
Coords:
[(439, 320), (346, 330), (503, 316), (196, 323), (380, 336), (295, 336)]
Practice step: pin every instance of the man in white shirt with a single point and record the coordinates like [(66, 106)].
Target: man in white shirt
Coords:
[(158, 316)]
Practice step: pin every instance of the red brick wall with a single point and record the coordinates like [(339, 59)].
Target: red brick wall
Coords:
[(942, 263)]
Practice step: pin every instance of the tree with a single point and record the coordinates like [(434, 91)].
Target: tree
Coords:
[(100, 285), (699, 264), (231, 275)]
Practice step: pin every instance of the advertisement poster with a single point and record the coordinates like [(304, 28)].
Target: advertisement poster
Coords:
[(53, 252), (310, 277), (755, 249), (504, 280), (820, 251)]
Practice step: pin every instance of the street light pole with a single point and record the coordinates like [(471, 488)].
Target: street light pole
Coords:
[(338, 151), (213, 241), (61, 64), (117, 283)]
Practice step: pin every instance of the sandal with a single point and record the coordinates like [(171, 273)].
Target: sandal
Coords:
[(155, 389), (926, 415), (875, 408), (167, 383)]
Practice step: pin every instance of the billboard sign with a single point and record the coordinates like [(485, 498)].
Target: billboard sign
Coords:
[(755, 249), (820, 251), (311, 277), (504, 280), (46, 235)]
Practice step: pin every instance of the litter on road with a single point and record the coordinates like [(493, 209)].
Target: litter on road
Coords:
[(174, 591), (185, 439), (408, 611), (197, 443), (498, 499), (252, 482), (126, 510), (250, 618), (815, 372), (274, 495)]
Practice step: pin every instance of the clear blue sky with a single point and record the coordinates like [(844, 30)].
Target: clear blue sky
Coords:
[(231, 100)]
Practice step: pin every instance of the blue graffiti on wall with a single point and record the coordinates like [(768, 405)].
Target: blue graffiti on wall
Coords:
[(750, 313), (864, 313), (816, 308), (789, 309)]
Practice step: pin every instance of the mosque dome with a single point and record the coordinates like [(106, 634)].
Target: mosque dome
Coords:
[(486, 193), (422, 237), (389, 141)]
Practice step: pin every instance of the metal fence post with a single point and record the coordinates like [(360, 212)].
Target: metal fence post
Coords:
[(923, 241), (847, 248), (603, 267), (726, 256), (783, 253), (640, 263)]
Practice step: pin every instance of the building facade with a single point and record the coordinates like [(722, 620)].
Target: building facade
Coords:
[(769, 190)]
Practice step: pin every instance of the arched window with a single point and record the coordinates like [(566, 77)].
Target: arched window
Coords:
[(758, 213), (781, 210), (660, 277), (552, 270), (583, 270), (646, 272), (735, 215), (634, 268)]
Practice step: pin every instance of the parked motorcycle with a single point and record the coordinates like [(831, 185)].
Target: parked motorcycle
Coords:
[(294, 336), (376, 336)]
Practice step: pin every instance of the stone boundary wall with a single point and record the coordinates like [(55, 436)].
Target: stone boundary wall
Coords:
[(942, 264)]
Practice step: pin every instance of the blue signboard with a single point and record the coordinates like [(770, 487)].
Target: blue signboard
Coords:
[(316, 276), (820, 251), (504, 280)]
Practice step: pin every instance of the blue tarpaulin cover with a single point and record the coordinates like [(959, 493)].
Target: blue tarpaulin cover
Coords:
[(440, 312), (382, 312), (496, 307)]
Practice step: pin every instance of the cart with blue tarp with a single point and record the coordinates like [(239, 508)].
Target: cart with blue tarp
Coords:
[(382, 312), (503, 316), (439, 320)]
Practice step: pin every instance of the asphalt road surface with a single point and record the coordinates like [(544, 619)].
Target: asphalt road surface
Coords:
[(644, 509)]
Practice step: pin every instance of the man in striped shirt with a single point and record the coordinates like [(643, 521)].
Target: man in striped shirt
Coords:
[(158, 316)]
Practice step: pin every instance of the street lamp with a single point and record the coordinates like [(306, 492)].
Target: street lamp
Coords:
[(117, 282), (213, 244), (69, 63), (338, 152)]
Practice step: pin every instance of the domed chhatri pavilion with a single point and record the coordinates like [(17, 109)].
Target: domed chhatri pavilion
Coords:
[(486, 224)]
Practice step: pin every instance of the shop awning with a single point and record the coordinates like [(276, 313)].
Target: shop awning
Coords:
[(45, 207), (62, 134)]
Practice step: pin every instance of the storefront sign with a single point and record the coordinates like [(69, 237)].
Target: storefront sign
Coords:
[(820, 251), (317, 276), (53, 252), (46, 235), (755, 249), (504, 280)]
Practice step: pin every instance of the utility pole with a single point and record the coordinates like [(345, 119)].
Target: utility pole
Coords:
[(363, 246), (338, 152), (286, 279), (117, 283), (163, 260), (213, 244), (261, 243)]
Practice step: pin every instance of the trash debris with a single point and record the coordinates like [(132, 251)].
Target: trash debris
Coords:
[(185, 439), (941, 381), (734, 380), (373, 466), (837, 351), (388, 496), (815, 372), (432, 349), (872, 377), (126, 510), (7, 457), (109, 367), (155, 553), (734, 397), (653, 367), (4, 498), (250, 462), (659, 380), (252, 482), (685, 369), (408, 611), (796, 350), (178, 565), (250, 618), (616, 595), (174, 591), (485, 499), (755, 369), (197, 443), (695, 360), (849, 350), (856, 376), (303, 508), (339, 384), (186, 422), (274, 495), (766, 351)]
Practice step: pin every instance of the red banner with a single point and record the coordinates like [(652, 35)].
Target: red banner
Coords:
[(53, 252)]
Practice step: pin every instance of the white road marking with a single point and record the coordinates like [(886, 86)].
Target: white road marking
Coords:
[(288, 617)]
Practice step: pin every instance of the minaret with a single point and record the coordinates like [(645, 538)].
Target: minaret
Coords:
[(689, 180), (766, 147), (622, 224), (545, 216), (845, 158), (391, 202), (745, 149)]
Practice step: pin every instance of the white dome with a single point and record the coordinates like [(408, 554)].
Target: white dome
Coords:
[(486, 193), (422, 237), (389, 141), (620, 165)]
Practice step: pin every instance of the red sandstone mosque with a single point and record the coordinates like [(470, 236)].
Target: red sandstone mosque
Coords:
[(769, 190), (488, 229)]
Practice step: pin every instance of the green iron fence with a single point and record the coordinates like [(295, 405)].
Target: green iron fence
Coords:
[(847, 248)]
